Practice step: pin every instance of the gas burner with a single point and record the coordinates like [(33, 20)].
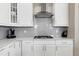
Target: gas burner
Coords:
[(40, 37)]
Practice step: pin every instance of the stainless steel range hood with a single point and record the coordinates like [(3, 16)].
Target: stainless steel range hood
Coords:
[(43, 13)]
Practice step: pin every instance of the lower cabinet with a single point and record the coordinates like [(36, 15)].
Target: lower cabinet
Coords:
[(44, 50), (64, 50), (18, 48), (64, 47), (12, 49), (27, 48), (50, 50), (15, 48), (38, 50)]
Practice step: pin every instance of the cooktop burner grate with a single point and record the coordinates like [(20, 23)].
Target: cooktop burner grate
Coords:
[(40, 37)]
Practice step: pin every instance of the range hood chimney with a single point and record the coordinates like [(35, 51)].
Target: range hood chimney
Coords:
[(43, 7), (43, 13)]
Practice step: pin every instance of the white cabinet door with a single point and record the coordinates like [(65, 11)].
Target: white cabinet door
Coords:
[(27, 48), (60, 14), (25, 14), (18, 48), (50, 50), (5, 14), (12, 49), (38, 50), (66, 50)]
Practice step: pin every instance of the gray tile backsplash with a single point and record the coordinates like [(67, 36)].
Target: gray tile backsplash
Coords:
[(24, 32), (29, 32), (3, 31)]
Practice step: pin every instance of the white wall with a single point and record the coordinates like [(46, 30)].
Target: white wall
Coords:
[(77, 29), (71, 29)]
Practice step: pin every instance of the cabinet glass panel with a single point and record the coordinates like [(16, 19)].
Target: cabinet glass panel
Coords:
[(13, 12)]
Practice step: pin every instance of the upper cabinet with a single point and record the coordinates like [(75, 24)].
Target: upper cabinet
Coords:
[(60, 14), (16, 14), (25, 14), (5, 14), (8, 14), (21, 14)]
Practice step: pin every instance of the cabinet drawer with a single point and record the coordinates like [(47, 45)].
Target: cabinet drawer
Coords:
[(63, 42), (27, 42), (49, 42), (44, 42), (38, 42)]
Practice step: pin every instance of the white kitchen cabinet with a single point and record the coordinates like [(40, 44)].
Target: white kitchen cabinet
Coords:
[(60, 14), (58, 47), (44, 48), (12, 15), (27, 48), (5, 14), (12, 49), (38, 50), (50, 50), (66, 50), (25, 14), (64, 47), (18, 48)]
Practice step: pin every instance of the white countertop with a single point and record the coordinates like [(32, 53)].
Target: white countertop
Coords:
[(31, 39), (5, 42)]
